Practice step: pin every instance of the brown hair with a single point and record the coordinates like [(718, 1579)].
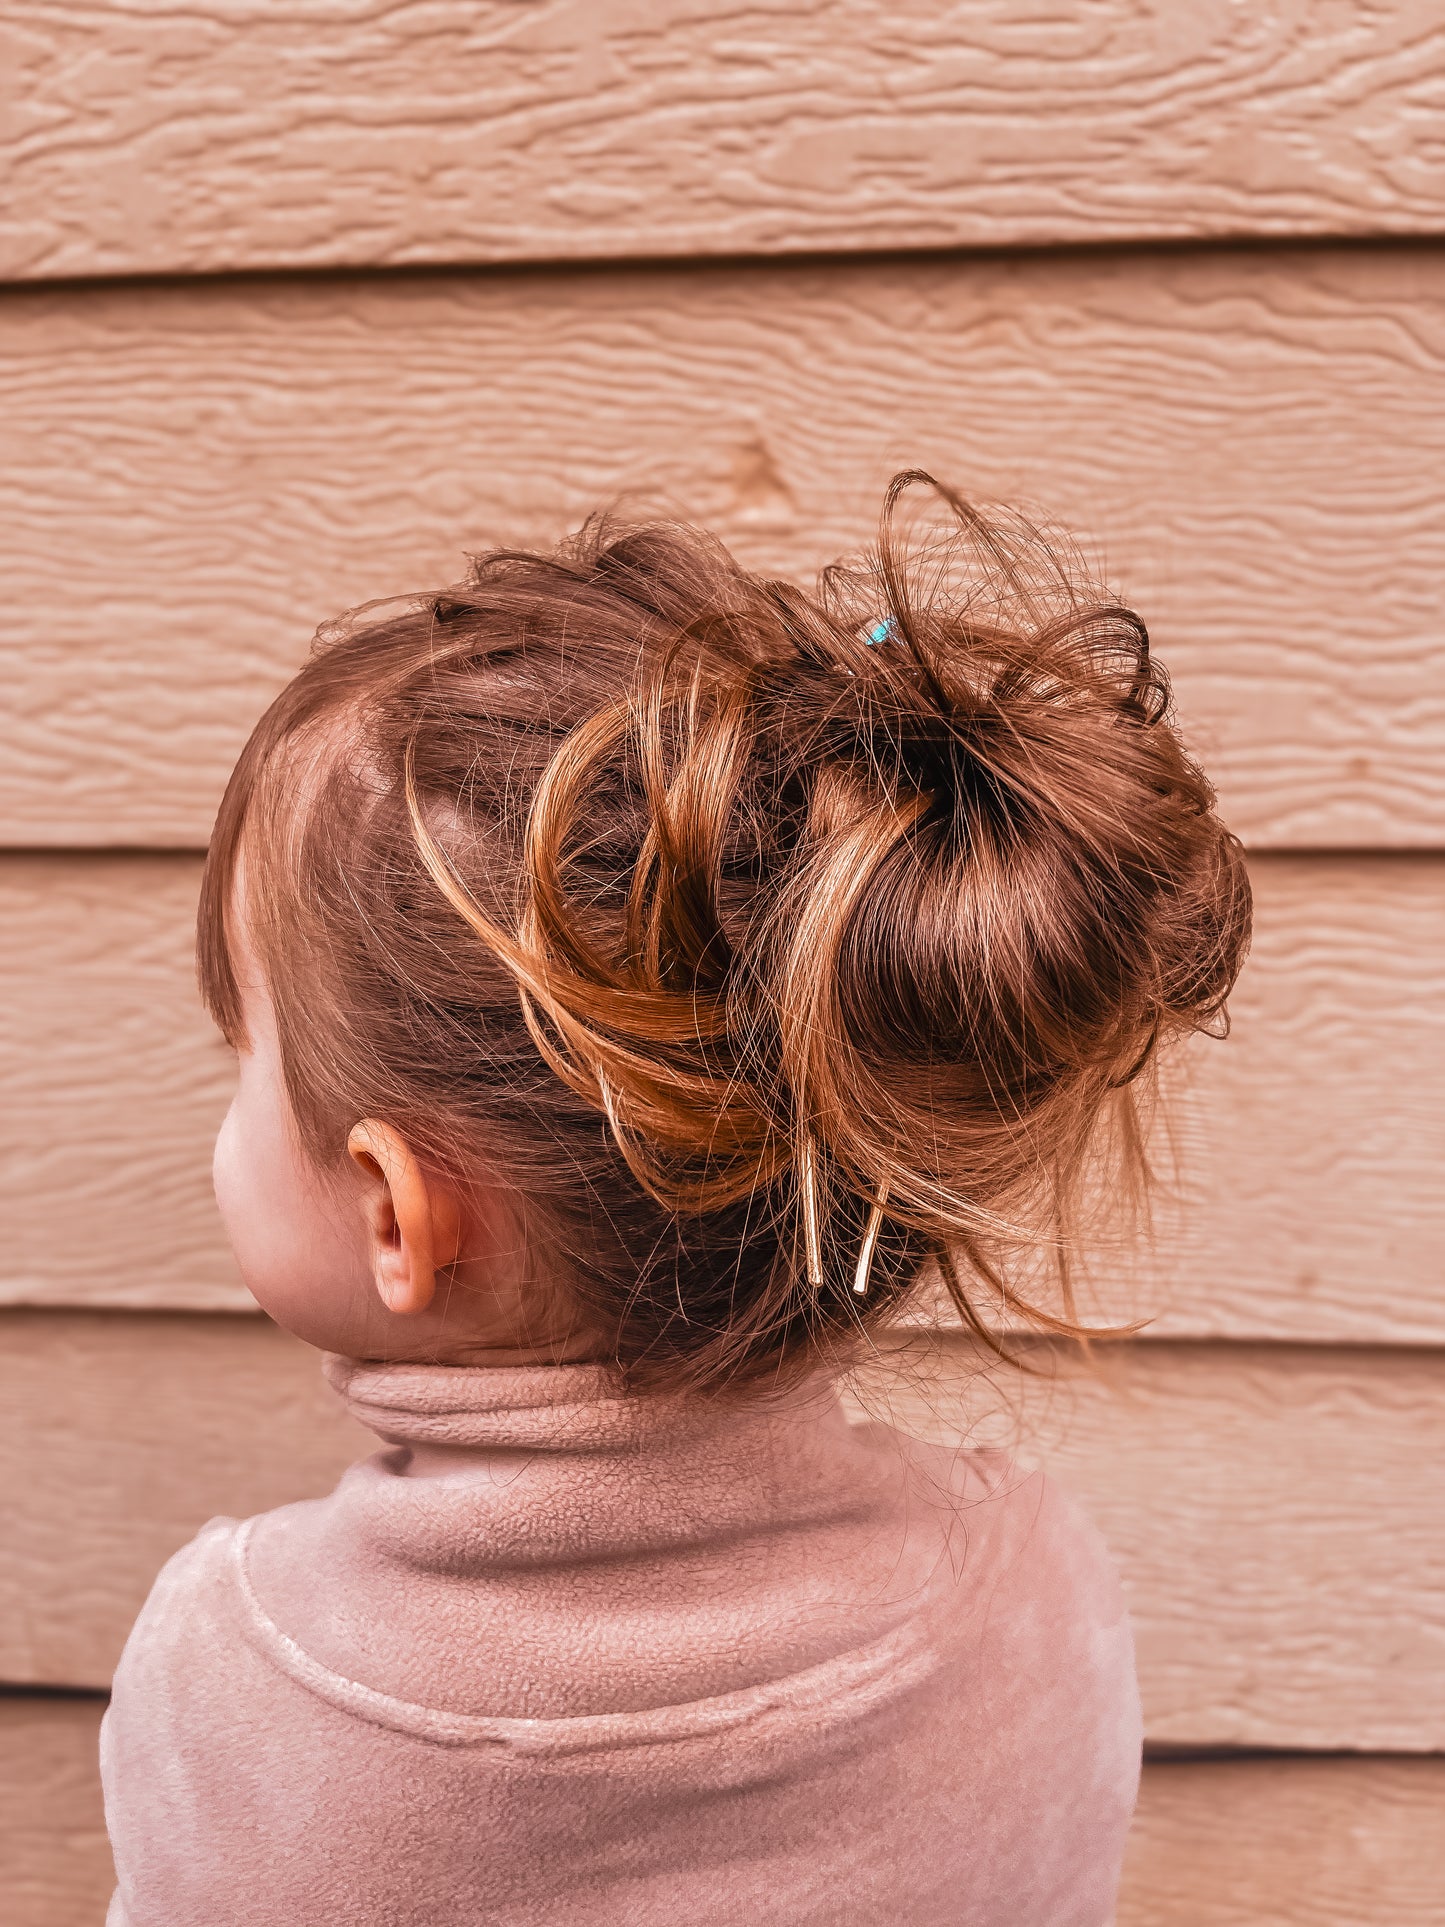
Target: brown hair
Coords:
[(773, 948)]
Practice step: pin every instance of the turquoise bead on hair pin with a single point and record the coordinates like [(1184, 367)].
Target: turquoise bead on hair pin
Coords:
[(872, 634)]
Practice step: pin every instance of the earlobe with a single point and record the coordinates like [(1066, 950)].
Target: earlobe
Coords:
[(413, 1222)]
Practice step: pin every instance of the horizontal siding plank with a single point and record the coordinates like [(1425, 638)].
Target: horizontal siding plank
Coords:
[(1220, 1843), (113, 1083), (196, 476), (1291, 1842), (235, 135), (122, 1436), (1301, 1160), (1275, 1511), (55, 1867)]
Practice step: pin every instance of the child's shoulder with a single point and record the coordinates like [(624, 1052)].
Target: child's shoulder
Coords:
[(1016, 1539), (200, 1572), (193, 1612)]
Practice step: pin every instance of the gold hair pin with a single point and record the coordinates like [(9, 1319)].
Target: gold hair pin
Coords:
[(869, 1244), (808, 1181)]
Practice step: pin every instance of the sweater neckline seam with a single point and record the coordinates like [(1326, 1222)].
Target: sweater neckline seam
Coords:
[(876, 1670)]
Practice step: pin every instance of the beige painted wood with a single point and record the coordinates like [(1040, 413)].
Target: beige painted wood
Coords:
[(194, 476), (1300, 1161), (1288, 1842), (1276, 1512), (233, 135), (1220, 1843), (112, 1084), (1301, 1194), (121, 1436), (55, 1868)]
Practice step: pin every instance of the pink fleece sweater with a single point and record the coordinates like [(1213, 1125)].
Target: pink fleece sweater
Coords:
[(555, 1656)]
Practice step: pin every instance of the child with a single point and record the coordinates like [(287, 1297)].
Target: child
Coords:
[(643, 975)]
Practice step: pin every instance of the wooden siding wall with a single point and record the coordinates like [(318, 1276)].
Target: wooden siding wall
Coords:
[(299, 304)]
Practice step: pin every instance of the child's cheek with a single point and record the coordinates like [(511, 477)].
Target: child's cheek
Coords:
[(251, 1209), (257, 1192), (300, 1252)]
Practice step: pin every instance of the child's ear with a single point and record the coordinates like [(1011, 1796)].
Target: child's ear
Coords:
[(413, 1219)]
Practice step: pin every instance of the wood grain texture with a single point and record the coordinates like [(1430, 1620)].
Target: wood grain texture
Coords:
[(1288, 1842), (112, 1084), (55, 1867), (1299, 1162), (122, 1436), (1301, 1195), (195, 476), (1220, 1843), (1275, 1511), (238, 134)]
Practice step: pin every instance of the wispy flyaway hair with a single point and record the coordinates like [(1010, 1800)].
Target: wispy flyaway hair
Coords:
[(776, 949)]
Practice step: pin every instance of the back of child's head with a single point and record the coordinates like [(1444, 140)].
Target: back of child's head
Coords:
[(771, 950)]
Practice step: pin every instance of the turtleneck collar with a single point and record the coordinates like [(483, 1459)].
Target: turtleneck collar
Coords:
[(557, 1408), (546, 1514)]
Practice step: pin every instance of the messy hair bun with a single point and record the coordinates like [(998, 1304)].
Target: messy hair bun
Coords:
[(840, 921)]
